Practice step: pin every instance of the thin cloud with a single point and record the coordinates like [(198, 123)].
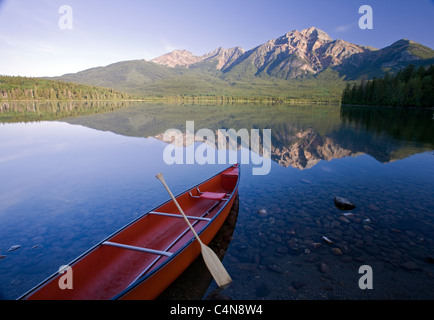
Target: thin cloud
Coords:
[(26, 46), (168, 47), (344, 28)]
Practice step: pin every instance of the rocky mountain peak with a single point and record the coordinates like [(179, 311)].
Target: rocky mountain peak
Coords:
[(316, 34), (299, 53), (177, 58), (224, 56), (306, 40), (184, 58)]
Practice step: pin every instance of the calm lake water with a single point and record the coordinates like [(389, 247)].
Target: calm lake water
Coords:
[(67, 184)]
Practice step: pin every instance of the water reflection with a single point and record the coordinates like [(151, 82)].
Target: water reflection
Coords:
[(280, 255), (301, 135), (25, 111), (67, 185), (195, 280)]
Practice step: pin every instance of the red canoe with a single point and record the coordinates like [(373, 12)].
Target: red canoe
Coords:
[(143, 258)]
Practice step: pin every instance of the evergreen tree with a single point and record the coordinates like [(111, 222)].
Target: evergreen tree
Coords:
[(22, 88), (410, 87)]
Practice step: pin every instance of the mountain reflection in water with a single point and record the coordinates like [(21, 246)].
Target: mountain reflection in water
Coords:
[(302, 135), (67, 185)]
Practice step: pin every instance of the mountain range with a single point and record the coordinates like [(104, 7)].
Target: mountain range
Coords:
[(306, 54)]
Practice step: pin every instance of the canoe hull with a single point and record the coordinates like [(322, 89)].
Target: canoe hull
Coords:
[(127, 272), (160, 280)]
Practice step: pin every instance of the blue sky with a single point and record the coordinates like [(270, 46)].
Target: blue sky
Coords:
[(104, 32)]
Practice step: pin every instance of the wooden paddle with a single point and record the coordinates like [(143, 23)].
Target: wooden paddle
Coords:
[(213, 263)]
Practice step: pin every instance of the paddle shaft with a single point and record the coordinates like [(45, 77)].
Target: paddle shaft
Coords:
[(160, 177), (212, 262)]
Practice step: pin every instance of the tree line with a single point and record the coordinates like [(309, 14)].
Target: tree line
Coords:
[(23, 88), (410, 87)]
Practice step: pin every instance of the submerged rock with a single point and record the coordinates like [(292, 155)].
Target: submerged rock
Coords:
[(263, 212), (326, 240), (298, 284), (15, 247), (344, 220), (276, 268), (315, 245), (343, 204), (430, 258), (337, 251), (324, 268)]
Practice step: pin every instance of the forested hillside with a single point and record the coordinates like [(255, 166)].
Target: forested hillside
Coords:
[(23, 88), (410, 87)]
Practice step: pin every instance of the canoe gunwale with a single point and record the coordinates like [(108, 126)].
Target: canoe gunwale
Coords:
[(189, 242), (187, 229), (169, 259)]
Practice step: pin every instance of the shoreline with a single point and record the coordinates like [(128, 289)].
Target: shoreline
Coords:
[(182, 99), (388, 107), (217, 100)]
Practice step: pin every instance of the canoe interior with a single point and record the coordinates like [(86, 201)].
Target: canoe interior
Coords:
[(105, 271)]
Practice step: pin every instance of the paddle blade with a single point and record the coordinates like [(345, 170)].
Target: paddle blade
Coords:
[(160, 177), (218, 271)]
